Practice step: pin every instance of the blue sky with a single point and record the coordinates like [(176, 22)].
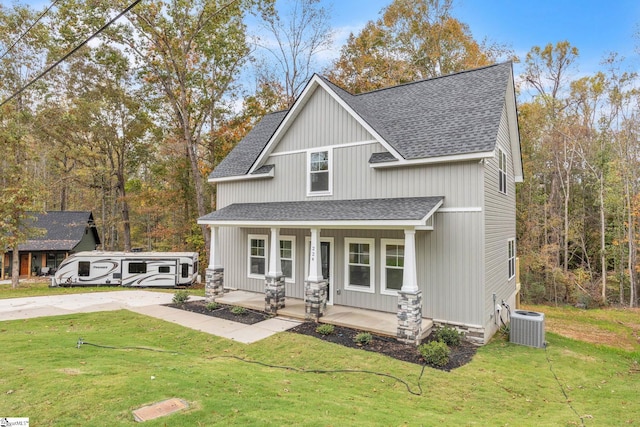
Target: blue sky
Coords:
[(595, 27)]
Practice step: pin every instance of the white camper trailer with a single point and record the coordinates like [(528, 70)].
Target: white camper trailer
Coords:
[(135, 269)]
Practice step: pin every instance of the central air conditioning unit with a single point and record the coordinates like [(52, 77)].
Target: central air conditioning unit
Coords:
[(527, 328)]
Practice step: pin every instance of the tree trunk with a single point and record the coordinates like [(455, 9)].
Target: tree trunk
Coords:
[(632, 251), (15, 267), (126, 224), (603, 253)]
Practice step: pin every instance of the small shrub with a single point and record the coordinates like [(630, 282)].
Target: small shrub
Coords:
[(448, 335), (238, 311), (363, 338), (325, 329), (181, 296), (435, 353), (212, 306)]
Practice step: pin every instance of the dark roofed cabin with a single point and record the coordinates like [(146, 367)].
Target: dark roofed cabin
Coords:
[(60, 233)]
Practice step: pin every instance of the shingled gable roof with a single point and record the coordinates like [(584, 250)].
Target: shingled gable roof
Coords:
[(453, 115), (392, 212), (61, 231)]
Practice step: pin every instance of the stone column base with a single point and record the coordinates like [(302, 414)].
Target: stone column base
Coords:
[(409, 317), (315, 299), (273, 294), (214, 284)]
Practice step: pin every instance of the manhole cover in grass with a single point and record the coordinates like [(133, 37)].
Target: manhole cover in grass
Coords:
[(160, 409)]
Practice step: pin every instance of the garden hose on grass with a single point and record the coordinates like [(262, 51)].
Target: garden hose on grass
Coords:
[(82, 342)]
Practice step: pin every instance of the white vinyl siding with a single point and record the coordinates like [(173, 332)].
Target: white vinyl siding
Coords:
[(360, 264), (288, 257), (502, 171), (257, 252), (319, 182), (392, 268), (511, 244)]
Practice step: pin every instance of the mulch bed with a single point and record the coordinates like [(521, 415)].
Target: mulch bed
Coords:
[(460, 355), (249, 317)]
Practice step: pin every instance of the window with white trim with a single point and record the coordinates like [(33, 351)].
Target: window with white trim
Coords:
[(287, 256), (360, 264), (319, 172), (257, 256), (502, 171), (393, 268), (511, 257)]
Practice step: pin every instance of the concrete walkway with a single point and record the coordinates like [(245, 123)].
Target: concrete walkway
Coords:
[(147, 303)]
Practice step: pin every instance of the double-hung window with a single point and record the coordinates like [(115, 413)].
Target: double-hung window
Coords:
[(287, 256), (257, 256), (502, 171), (360, 264), (511, 258), (319, 172), (393, 268)]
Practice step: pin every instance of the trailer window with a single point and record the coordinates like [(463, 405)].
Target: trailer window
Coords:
[(84, 268), (138, 267), (164, 269), (185, 270)]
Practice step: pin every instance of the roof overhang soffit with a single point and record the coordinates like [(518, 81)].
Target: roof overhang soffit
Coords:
[(315, 82)]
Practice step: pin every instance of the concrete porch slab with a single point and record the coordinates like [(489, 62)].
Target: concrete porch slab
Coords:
[(366, 320)]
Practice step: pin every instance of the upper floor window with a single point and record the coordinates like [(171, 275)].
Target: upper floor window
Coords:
[(511, 258), (502, 171), (319, 176)]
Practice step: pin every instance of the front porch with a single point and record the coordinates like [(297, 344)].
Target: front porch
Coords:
[(355, 318)]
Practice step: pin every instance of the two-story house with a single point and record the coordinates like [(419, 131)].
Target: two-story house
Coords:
[(400, 200)]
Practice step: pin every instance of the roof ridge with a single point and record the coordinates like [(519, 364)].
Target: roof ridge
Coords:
[(421, 80)]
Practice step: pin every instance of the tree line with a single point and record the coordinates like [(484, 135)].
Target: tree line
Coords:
[(131, 125)]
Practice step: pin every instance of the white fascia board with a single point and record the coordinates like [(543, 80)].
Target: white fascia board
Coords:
[(514, 130), (304, 97), (352, 224), (269, 174), (432, 160), (432, 211), (360, 120)]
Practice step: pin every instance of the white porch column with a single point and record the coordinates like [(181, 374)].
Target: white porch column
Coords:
[(410, 275), (214, 276), (275, 266), (214, 249), (410, 296), (315, 287), (315, 262), (274, 291)]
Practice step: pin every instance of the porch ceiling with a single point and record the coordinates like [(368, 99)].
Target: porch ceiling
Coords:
[(363, 213)]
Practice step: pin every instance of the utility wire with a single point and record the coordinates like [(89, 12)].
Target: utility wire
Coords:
[(74, 50), (28, 29)]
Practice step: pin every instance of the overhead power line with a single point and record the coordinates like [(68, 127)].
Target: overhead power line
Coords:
[(74, 50), (28, 29)]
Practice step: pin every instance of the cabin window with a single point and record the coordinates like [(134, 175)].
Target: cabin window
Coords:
[(287, 256), (511, 258), (137, 267), (84, 268), (257, 256), (359, 262), (393, 268), (185, 270), (319, 176), (164, 269), (502, 171)]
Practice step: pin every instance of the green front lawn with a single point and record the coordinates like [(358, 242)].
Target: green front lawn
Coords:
[(45, 377), (40, 287)]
